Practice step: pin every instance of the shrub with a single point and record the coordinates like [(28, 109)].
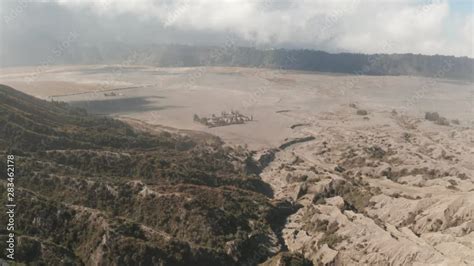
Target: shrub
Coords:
[(431, 116), (362, 112), (436, 118)]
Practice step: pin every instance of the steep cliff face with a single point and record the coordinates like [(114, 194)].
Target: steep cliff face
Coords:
[(97, 191)]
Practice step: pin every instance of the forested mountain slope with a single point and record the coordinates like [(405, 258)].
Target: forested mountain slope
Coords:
[(94, 190), (437, 66)]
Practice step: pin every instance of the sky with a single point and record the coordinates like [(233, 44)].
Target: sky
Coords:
[(359, 26)]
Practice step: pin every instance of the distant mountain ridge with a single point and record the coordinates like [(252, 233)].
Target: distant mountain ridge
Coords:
[(437, 66)]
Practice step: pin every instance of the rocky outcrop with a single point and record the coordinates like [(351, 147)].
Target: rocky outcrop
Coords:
[(399, 192)]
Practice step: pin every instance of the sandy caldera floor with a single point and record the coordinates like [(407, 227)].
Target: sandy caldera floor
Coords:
[(385, 188), (171, 96)]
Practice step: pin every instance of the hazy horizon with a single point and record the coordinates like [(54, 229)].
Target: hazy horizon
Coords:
[(30, 30)]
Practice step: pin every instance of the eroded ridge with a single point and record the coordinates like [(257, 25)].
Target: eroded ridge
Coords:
[(379, 188)]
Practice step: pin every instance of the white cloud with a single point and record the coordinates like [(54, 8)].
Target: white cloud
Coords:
[(343, 25)]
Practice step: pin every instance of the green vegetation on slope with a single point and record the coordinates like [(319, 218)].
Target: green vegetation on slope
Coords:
[(94, 189)]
